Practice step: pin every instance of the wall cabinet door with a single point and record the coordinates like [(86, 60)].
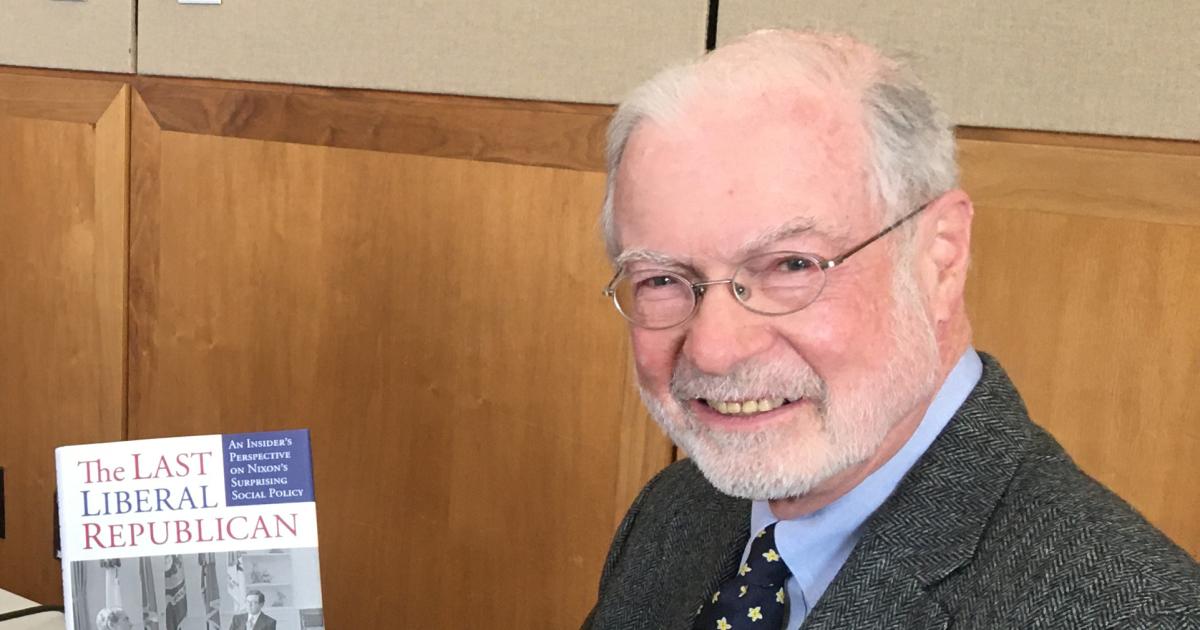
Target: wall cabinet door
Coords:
[(63, 195), (418, 281), (1083, 283)]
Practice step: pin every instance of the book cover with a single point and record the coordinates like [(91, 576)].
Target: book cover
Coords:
[(190, 533)]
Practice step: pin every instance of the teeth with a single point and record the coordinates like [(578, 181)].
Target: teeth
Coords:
[(748, 407)]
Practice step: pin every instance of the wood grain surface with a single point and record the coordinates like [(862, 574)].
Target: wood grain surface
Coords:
[(1079, 140), (1090, 182), (494, 130), (1083, 283), (63, 183), (46, 95), (439, 325)]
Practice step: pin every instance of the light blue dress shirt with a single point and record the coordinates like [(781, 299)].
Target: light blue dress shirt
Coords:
[(816, 546)]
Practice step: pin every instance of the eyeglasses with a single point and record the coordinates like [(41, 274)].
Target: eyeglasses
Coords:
[(774, 283)]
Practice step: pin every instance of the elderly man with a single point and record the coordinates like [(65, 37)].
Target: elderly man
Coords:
[(791, 248)]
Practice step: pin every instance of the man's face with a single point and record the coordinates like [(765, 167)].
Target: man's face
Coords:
[(727, 181), (253, 605)]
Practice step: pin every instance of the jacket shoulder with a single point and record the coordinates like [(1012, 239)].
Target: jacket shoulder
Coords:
[(672, 490), (1068, 552), (674, 544)]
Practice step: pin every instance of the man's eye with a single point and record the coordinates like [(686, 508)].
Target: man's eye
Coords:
[(656, 282), (793, 263)]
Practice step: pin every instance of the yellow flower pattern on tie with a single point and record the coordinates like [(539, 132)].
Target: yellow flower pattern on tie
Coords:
[(761, 591)]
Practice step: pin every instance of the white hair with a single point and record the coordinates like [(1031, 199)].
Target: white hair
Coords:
[(911, 141)]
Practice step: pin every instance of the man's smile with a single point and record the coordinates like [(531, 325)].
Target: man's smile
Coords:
[(746, 407), (756, 418)]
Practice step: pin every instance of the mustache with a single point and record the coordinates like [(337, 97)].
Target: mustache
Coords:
[(749, 380)]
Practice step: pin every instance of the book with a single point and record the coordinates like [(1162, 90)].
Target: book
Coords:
[(190, 533)]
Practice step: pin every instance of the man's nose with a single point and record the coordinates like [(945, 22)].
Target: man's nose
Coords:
[(723, 332)]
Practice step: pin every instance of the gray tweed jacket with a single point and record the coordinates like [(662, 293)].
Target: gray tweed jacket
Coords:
[(994, 527)]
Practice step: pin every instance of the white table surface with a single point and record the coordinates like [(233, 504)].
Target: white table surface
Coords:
[(41, 621)]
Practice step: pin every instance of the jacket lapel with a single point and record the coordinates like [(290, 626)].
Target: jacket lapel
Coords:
[(709, 551), (929, 528)]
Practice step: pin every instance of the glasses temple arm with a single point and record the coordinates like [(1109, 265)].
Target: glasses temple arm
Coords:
[(830, 264)]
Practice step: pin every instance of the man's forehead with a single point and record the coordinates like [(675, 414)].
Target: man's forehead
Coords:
[(742, 197), (728, 175), (826, 110), (753, 139)]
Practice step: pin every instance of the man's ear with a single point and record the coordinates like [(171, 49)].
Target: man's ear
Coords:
[(946, 240)]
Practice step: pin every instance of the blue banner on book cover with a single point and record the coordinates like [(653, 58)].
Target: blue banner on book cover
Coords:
[(267, 467)]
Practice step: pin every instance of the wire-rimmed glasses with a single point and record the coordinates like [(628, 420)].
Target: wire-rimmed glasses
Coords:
[(773, 283)]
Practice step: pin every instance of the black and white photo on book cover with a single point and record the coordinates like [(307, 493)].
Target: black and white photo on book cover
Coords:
[(200, 591)]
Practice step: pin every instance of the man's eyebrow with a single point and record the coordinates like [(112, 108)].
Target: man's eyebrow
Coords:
[(798, 225), (648, 255)]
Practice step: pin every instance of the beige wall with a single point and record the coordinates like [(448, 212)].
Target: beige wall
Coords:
[(94, 35), (577, 51), (1097, 66), (1111, 67)]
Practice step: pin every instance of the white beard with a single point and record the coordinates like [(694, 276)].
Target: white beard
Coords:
[(828, 432)]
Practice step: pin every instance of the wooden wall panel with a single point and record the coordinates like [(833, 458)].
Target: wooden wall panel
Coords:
[(487, 129), (63, 194), (1083, 283), (436, 321)]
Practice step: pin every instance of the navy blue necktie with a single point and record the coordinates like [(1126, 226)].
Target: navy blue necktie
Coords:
[(753, 599)]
